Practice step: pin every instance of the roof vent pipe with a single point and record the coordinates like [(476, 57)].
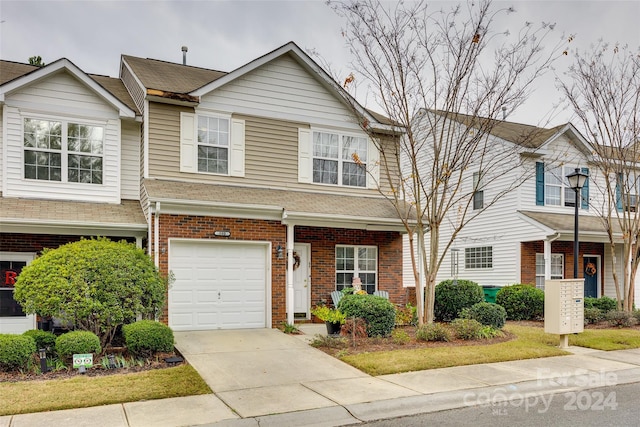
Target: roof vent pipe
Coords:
[(184, 55), (504, 112)]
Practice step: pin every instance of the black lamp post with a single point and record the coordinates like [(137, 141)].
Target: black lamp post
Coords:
[(576, 181)]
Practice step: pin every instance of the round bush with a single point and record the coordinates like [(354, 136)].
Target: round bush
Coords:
[(487, 313), (16, 351), (43, 339), (77, 342), (433, 332), (452, 298), (592, 315), (378, 312), (145, 337), (604, 304), (467, 329), (522, 302)]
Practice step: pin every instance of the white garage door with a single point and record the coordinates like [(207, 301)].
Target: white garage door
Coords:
[(218, 285)]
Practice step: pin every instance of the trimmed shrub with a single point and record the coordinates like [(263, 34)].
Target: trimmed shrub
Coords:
[(433, 332), (400, 337), (636, 314), (43, 339), (146, 337), (621, 319), (487, 313), (77, 342), (592, 315), (468, 329), (16, 351), (378, 312), (522, 302), (96, 285), (451, 298), (604, 303)]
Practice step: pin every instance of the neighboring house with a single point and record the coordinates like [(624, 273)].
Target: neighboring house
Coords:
[(242, 185), (527, 235)]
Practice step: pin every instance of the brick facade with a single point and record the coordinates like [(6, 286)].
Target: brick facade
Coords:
[(528, 252), (35, 243), (322, 240)]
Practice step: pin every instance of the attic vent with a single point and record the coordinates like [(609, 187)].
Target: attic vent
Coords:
[(184, 55)]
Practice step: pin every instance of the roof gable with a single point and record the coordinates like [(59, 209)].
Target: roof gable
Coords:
[(40, 73)]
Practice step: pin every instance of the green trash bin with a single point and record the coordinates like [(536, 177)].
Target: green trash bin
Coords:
[(490, 293)]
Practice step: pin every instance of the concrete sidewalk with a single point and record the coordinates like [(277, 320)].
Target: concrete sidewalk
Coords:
[(266, 378)]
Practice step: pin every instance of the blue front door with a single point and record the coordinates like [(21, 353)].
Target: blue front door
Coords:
[(591, 270)]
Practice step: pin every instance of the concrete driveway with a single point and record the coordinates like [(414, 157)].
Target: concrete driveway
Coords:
[(264, 371)]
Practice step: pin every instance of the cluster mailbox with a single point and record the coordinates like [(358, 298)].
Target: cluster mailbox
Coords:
[(564, 306)]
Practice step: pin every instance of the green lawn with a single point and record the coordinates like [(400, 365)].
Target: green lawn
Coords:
[(530, 343), (81, 391)]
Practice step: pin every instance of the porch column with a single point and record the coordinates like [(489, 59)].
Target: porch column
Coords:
[(547, 259), (290, 242)]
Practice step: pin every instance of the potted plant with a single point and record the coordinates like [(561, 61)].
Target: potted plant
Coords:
[(332, 317)]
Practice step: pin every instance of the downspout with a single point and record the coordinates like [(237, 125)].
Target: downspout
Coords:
[(547, 255), (290, 243), (156, 235)]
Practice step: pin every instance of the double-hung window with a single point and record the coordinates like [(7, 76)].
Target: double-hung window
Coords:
[(557, 191), (58, 150), (213, 145), (356, 261), (478, 192), (629, 197), (339, 159), (557, 268), (477, 258)]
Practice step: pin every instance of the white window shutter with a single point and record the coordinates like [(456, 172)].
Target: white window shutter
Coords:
[(188, 145), (373, 166), (305, 169), (236, 155)]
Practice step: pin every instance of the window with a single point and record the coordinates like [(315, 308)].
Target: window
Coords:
[(557, 190), (630, 192), (481, 257), (62, 151), (356, 261), (339, 159), (9, 271), (557, 268), (213, 145), (478, 193)]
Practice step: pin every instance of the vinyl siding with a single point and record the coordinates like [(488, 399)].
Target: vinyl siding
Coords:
[(130, 82), (130, 164), (281, 89), (271, 153), (61, 97), (2, 148)]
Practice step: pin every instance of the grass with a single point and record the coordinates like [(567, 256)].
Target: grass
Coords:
[(530, 343), (81, 392)]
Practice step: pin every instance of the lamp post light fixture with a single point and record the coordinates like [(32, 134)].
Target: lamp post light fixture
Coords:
[(42, 353), (576, 180)]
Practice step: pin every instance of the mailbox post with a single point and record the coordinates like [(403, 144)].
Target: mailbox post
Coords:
[(564, 308)]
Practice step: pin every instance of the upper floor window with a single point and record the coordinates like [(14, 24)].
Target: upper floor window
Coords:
[(213, 145), (628, 198), (356, 261), (339, 159), (480, 257), (63, 151), (478, 193), (552, 187)]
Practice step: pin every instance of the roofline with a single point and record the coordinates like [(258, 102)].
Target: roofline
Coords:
[(63, 227), (291, 47), (65, 64)]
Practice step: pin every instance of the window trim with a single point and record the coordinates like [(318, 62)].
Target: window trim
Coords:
[(64, 147), (198, 143), (478, 191), (553, 277), (356, 271), (341, 135), (478, 265), (26, 257)]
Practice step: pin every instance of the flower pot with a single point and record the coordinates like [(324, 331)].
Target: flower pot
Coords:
[(333, 328)]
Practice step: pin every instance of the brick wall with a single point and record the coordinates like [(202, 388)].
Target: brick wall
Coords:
[(528, 258), (22, 242), (322, 240)]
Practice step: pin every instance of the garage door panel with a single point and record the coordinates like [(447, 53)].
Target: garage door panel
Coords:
[(217, 286)]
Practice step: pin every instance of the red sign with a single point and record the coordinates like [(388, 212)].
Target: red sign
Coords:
[(9, 278)]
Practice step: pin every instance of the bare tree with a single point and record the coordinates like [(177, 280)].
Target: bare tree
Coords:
[(603, 87), (444, 78)]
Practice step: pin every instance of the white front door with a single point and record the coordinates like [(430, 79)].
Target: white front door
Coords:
[(301, 279)]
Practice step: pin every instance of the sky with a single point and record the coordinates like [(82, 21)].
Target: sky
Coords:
[(224, 35)]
